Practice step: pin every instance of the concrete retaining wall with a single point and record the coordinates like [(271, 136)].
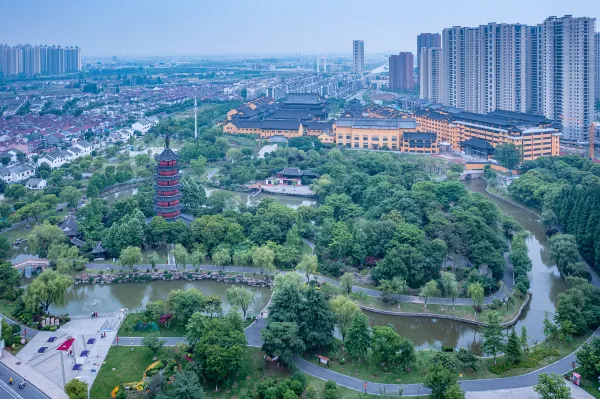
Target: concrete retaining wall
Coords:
[(509, 323)]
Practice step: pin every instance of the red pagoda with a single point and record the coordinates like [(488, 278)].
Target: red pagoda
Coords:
[(168, 190)]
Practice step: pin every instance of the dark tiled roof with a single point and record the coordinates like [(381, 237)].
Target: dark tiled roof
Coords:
[(378, 123), (167, 155), (516, 117), (292, 114), (324, 126), (282, 124), (478, 143), (421, 136)]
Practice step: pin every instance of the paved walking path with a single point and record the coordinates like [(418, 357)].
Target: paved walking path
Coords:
[(252, 333)]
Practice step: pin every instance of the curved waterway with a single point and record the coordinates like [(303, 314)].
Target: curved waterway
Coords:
[(546, 284)]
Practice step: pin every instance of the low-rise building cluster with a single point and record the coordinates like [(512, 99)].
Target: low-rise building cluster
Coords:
[(377, 127)]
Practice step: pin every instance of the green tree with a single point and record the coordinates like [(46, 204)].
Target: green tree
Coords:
[(524, 338), (198, 165), (15, 191), (468, 358), (513, 349), (194, 196), (281, 339), (346, 282), (345, 311), (71, 196), (428, 290), (185, 303), (439, 379), (130, 256), (197, 257), (181, 255), (9, 281), (153, 343), (186, 385), (493, 339), (454, 391), (450, 285), (44, 235), (308, 265), (358, 340), (153, 259), (552, 386), (390, 349), (264, 258), (477, 293), (508, 155), (76, 389), (550, 329), (221, 257), (588, 357), (240, 296), (48, 288), (212, 305)]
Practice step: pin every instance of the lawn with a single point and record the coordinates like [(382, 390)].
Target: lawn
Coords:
[(7, 307), (371, 372), (126, 329), (465, 311), (123, 365)]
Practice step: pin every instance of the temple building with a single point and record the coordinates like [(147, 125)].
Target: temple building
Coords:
[(167, 198)]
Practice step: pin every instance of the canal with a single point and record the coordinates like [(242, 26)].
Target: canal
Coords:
[(546, 284)]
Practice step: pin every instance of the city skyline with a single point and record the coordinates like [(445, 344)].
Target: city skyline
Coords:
[(138, 29)]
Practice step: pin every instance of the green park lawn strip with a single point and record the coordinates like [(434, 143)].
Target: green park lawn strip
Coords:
[(464, 311), (7, 307), (367, 370), (124, 365)]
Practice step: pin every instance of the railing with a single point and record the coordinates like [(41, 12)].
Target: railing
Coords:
[(33, 263)]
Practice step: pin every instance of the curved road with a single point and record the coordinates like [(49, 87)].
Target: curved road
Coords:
[(252, 333)]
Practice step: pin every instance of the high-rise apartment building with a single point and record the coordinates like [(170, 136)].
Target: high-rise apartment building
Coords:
[(38, 60), (568, 74), (401, 71), (426, 40), (597, 70), (485, 68), (535, 103), (430, 86), (461, 68), (358, 56)]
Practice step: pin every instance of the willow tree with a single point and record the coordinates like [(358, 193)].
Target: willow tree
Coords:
[(48, 288)]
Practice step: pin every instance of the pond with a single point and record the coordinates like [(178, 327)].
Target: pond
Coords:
[(84, 298)]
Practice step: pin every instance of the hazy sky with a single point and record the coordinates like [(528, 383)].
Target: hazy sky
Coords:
[(198, 27)]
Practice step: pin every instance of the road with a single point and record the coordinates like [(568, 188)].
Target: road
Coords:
[(252, 333), (8, 392)]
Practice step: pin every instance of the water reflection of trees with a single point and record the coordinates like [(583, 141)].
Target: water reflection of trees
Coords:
[(427, 332)]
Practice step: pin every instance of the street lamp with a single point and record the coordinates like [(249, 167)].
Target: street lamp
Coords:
[(88, 383)]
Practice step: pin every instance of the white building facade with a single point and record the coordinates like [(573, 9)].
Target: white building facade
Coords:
[(430, 84), (568, 74)]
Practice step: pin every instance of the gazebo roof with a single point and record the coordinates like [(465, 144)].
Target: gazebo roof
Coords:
[(98, 249)]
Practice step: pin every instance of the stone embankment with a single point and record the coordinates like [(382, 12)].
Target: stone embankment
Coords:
[(508, 323), (145, 277)]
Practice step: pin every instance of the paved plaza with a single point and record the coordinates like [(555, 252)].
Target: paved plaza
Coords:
[(89, 349)]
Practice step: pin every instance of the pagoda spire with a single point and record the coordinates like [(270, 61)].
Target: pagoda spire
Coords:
[(167, 140)]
